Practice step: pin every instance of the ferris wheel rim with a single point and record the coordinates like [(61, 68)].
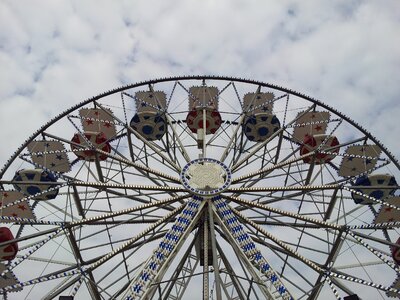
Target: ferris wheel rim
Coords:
[(180, 78)]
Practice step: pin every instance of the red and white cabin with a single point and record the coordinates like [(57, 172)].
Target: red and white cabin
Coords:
[(313, 142), (97, 140), (7, 252)]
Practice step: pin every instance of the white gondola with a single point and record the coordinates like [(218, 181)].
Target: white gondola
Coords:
[(310, 123), (19, 210), (389, 214), (255, 103), (359, 159), (98, 120), (395, 285), (8, 279), (50, 155)]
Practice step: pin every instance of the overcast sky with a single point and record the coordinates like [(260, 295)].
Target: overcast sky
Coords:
[(56, 53)]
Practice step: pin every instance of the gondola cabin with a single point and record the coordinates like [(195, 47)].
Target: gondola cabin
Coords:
[(34, 182)]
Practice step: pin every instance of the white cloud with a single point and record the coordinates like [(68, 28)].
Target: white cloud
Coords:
[(54, 54)]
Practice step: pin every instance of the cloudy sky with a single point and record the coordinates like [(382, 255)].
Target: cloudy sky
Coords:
[(56, 53)]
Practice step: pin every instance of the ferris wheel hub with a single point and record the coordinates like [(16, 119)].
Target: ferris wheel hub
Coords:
[(206, 177)]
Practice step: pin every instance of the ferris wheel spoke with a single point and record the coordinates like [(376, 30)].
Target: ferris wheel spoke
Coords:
[(282, 254), (334, 291), (270, 169), (176, 138), (283, 188), (66, 272), (321, 224), (99, 185), (128, 270), (78, 240), (338, 284), (143, 168), (109, 187), (142, 175), (321, 270), (134, 239), (375, 226), (137, 197), (377, 253), (141, 196), (306, 261), (295, 216), (32, 249), (350, 278), (65, 284), (126, 211), (140, 167), (231, 145), (48, 260)]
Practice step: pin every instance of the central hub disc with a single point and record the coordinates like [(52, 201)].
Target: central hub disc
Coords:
[(206, 176)]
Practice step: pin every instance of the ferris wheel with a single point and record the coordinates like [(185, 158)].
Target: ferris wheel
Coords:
[(200, 187)]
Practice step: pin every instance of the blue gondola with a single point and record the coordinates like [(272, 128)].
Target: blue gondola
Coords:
[(384, 180), (22, 183)]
